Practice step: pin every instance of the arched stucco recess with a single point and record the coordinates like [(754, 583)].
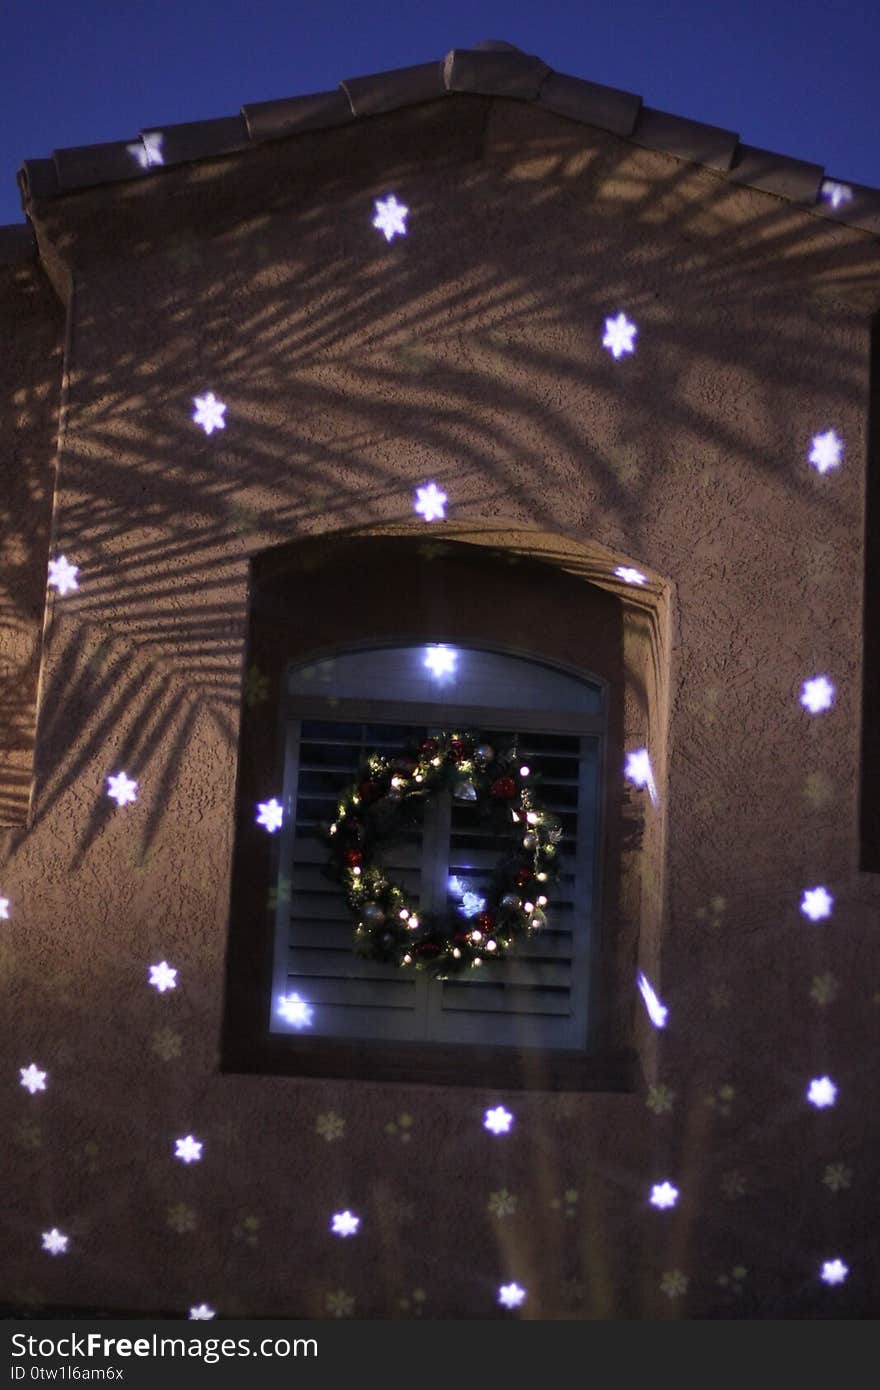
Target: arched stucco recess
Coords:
[(637, 923)]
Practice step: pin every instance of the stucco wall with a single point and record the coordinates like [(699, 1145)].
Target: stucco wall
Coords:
[(470, 352)]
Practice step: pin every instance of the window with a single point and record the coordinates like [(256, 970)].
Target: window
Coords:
[(334, 666), (386, 700)]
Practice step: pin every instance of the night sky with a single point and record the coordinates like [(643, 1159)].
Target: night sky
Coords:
[(799, 78)]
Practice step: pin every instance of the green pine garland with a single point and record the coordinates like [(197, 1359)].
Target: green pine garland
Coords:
[(376, 808)]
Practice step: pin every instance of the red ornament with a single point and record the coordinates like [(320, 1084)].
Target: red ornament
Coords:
[(428, 746), (503, 788), (353, 858), (486, 921), (457, 749), (523, 876), (368, 791)]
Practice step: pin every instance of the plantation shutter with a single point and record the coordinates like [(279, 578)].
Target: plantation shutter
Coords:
[(536, 998)]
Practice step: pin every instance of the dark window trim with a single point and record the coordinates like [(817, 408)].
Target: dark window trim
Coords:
[(869, 779)]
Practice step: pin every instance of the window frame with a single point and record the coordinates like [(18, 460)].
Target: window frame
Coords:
[(308, 599)]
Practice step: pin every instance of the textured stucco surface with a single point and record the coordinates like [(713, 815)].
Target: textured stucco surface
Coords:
[(353, 371)]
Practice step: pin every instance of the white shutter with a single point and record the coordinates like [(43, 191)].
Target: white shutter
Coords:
[(539, 997)]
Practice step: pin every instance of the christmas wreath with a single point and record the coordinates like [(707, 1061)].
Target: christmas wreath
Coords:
[(384, 801)]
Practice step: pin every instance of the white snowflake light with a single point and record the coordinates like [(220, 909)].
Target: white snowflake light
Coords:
[(835, 193), (657, 1012), (822, 1092), (162, 977), (188, 1149), (827, 451), (664, 1195), (270, 814), (202, 1313), (816, 903), (430, 502), (295, 1010), (390, 217), (209, 413), (148, 150), (630, 576), (345, 1223), (471, 902), (63, 574), (817, 695), (55, 1242), (834, 1272), (498, 1120), (638, 769), (511, 1295), (440, 661), (619, 335), (4, 909), (122, 789), (33, 1079)]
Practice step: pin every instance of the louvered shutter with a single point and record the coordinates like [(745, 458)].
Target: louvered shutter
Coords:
[(537, 998)]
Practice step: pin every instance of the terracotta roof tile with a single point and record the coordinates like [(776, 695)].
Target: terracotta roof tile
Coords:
[(83, 166), (271, 120), (386, 91), (590, 103), (704, 144), (180, 144), (776, 173), (494, 73)]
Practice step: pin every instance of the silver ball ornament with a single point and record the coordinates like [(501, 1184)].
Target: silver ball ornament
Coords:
[(485, 752), (372, 915)]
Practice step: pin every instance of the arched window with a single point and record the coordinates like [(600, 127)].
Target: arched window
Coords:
[(334, 668), (387, 699)]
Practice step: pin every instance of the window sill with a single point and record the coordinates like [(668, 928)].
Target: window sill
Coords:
[(435, 1065)]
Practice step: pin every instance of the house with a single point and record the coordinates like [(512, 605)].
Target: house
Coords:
[(471, 418)]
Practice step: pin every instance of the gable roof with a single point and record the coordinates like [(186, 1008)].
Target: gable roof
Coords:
[(492, 68)]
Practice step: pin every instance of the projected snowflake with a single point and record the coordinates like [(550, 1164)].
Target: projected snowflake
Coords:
[(630, 576), (270, 814), (440, 661), (63, 575), (390, 217), (817, 695), (188, 1149), (55, 1242), (619, 336), (33, 1079), (4, 909), (657, 1012), (202, 1313), (835, 193), (638, 769), (511, 1295), (816, 903), (148, 150), (209, 413), (498, 1120), (822, 1092), (834, 1272), (345, 1223), (121, 789), (827, 451), (295, 1011), (430, 502), (162, 977), (663, 1195)]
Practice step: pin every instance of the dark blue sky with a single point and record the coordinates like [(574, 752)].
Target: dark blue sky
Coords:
[(797, 77)]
